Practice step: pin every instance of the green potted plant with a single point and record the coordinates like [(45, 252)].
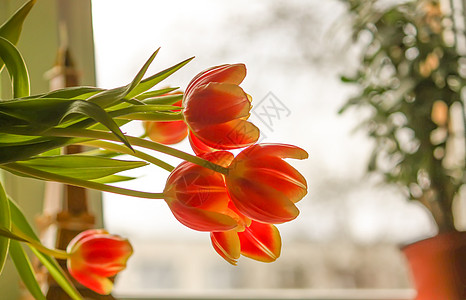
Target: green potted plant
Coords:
[(411, 77)]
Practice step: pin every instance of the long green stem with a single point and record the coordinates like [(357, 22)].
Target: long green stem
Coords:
[(57, 253), (14, 167), (135, 141), (125, 150)]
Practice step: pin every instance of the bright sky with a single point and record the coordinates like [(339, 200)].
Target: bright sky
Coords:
[(341, 200)]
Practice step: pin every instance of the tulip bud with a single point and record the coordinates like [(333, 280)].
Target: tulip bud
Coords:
[(95, 255), (216, 109)]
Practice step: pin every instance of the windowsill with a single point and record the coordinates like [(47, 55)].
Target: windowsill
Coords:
[(270, 294)]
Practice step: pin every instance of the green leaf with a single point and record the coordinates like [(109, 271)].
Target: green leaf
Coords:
[(16, 68), (113, 179), (148, 83), (154, 116), (25, 269), (143, 109), (110, 97), (31, 172), (156, 93), (164, 100), (11, 29), (20, 220), (78, 92), (50, 263), (7, 233), (58, 274), (25, 151), (41, 114), (81, 166), (14, 139), (5, 222)]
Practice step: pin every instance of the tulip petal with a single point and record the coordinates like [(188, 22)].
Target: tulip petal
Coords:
[(233, 74), (280, 150), (277, 174), (198, 146), (227, 245), (202, 220), (260, 242), (216, 103), (222, 158), (231, 135), (260, 202), (82, 235), (167, 133), (98, 284), (105, 255)]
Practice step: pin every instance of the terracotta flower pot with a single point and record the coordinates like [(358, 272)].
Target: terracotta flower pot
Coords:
[(438, 266)]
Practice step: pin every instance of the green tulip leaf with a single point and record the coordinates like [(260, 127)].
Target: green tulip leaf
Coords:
[(20, 220), (58, 274), (16, 68), (7, 233), (11, 29), (113, 96), (5, 222), (151, 81), (156, 93), (25, 269), (81, 166), (113, 179), (23, 151), (41, 114), (78, 92), (50, 263), (164, 100)]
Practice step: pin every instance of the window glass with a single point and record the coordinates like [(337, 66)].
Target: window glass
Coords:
[(349, 230)]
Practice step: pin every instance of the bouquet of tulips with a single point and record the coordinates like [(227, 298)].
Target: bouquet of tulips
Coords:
[(238, 199)]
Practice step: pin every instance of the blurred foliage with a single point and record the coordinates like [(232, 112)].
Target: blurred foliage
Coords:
[(410, 77)]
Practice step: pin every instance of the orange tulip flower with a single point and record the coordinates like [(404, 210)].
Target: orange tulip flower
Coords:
[(166, 132), (258, 241), (216, 108), (263, 186), (96, 255), (198, 198)]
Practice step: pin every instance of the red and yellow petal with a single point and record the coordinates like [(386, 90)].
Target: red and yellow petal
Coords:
[(227, 245), (203, 220), (215, 103), (280, 150), (228, 73), (231, 135), (167, 133), (103, 250), (198, 146), (261, 202), (82, 235), (99, 284), (260, 242), (222, 158), (278, 174)]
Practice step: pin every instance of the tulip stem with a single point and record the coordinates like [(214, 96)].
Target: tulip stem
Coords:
[(135, 141), (25, 170), (126, 150), (57, 253)]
